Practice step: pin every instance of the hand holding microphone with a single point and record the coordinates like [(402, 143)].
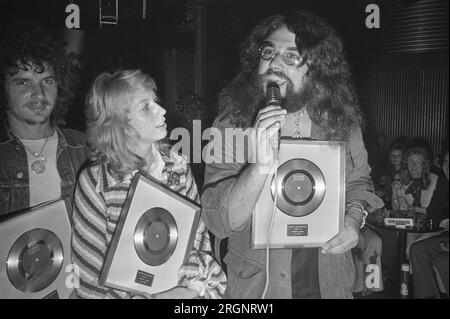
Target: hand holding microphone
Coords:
[(267, 125)]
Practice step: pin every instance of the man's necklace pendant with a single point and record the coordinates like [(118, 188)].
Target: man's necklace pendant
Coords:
[(38, 166)]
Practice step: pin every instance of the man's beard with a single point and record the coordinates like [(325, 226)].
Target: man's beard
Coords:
[(293, 101)]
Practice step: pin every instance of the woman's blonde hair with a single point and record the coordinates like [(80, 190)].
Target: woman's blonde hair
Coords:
[(108, 105), (405, 175)]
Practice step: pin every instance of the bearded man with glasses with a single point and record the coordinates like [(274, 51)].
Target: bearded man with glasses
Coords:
[(303, 55)]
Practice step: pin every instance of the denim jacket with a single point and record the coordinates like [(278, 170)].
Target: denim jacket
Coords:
[(246, 266), (14, 180)]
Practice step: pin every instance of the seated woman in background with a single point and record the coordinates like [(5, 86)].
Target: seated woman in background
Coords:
[(394, 166), (413, 187), (126, 126), (432, 253)]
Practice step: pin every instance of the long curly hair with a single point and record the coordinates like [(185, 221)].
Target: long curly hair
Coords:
[(331, 100), (23, 47)]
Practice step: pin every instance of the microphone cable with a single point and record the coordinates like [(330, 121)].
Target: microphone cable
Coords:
[(273, 98), (272, 218)]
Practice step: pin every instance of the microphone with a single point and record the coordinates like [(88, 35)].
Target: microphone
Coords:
[(273, 98)]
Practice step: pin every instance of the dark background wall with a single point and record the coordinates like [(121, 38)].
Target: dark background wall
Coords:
[(408, 95), (404, 80), (400, 70)]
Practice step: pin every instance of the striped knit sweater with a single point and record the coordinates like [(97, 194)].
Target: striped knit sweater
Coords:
[(98, 202)]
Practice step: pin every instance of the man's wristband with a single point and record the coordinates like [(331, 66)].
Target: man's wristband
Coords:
[(359, 207)]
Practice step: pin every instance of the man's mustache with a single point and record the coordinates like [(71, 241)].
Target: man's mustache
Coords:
[(278, 74), (270, 73)]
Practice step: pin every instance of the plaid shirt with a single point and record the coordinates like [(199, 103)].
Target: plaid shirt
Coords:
[(98, 202)]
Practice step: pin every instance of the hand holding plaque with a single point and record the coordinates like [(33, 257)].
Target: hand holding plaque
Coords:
[(152, 240), (310, 203)]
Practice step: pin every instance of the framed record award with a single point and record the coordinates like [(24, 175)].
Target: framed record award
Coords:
[(35, 252), (153, 238), (309, 192)]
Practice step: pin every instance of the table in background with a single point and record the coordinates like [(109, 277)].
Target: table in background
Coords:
[(402, 235)]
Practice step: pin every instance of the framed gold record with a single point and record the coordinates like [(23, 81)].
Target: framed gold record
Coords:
[(310, 196), (153, 238), (35, 252)]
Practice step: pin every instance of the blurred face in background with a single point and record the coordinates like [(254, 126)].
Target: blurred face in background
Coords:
[(381, 140), (396, 158), (415, 165)]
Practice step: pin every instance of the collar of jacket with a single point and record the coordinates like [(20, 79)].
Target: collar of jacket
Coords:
[(63, 139)]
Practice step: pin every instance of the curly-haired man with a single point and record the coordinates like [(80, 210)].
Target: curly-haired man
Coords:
[(303, 54), (39, 159)]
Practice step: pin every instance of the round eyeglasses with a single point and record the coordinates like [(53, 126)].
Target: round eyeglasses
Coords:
[(290, 57)]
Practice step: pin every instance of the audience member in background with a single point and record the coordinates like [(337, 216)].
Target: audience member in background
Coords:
[(433, 252), (395, 159), (39, 159), (126, 127), (413, 187), (393, 167), (433, 160)]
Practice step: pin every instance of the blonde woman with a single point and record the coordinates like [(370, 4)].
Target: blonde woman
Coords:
[(126, 126), (413, 187)]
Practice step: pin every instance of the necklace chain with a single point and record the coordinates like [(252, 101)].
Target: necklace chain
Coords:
[(38, 166), (296, 116), (35, 154)]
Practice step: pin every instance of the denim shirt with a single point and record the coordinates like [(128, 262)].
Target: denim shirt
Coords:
[(14, 180), (246, 266)]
